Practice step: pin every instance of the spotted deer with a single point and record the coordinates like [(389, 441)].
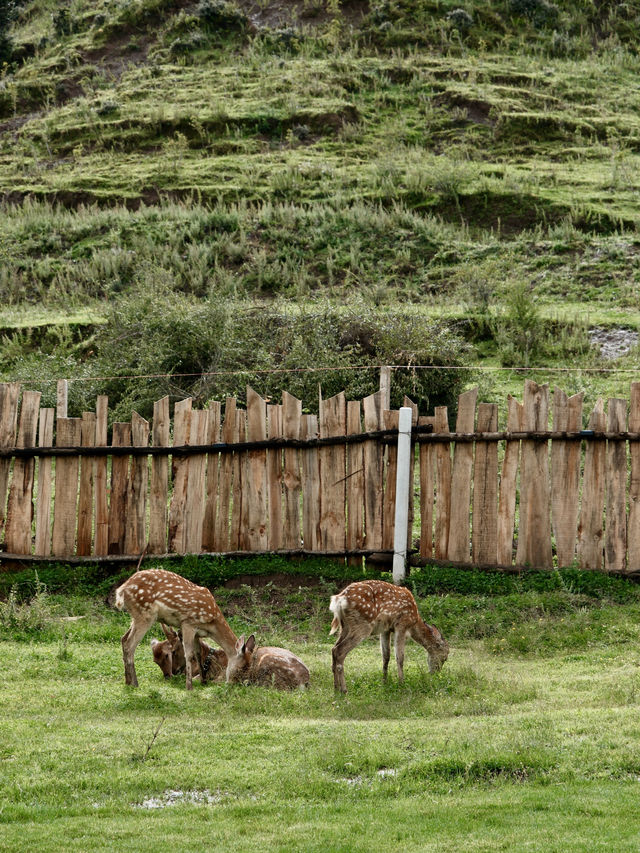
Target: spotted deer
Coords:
[(266, 665), (156, 595), (210, 664), (378, 607)]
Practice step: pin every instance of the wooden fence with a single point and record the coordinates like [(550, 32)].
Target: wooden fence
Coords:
[(541, 492)]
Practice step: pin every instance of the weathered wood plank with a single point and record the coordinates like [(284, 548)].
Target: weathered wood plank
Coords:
[(257, 536), (373, 472), (291, 420), (194, 495), (633, 538), (101, 546), (213, 465), (226, 477), (9, 393), (590, 527), (68, 434), (565, 475), (310, 486), (87, 474), (239, 508), (390, 421), (180, 473), (534, 534), (43, 501), (355, 482), (615, 543), (508, 479), (274, 478), (135, 535), (332, 420), (460, 527), (443, 485), (159, 490), (119, 485), (427, 458), (485, 490), (20, 510)]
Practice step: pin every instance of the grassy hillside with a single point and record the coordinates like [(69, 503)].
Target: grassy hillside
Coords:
[(472, 171)]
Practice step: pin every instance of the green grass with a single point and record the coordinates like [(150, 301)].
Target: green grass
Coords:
[(518, 747)]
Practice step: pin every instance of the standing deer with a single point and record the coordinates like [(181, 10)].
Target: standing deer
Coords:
[(266, 665), (210, 664), (378, 607), (157, 595)]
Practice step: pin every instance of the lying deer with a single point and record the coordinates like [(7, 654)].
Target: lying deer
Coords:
[(157, 595), (378, 607), (210, 664), (266, 665)]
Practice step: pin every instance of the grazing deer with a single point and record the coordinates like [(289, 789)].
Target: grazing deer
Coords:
[(266, 665), (157, 595), (210, 664), (378, 607)]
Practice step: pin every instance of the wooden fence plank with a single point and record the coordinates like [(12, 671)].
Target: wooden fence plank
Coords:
[(332, 420), (633, 537), (43, 502), (291, 416), (443, 485), (68, 434), (179, 471), (389, 421), (355, 482), (615, 542), (460, 528), (213, 465), (414, 487), (101, 546), (159, 490), (427, 458), (20, 510), (310, 486), (9, 392), (565, 475), (135, 535), (87, 473), (257, 530), (590, 527), (194, 496), (534, 534), (225, 477), (373, 472), (239, 508), (274, 478), (119, 485), (508, 478), (485, 490)]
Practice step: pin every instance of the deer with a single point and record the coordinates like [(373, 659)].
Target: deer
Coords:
[(376, 607), (210, 664), (268, 666), (154, 595)]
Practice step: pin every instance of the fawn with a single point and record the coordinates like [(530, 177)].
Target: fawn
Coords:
[(157, 595), (378, 607), (210, 664), (266, 665)]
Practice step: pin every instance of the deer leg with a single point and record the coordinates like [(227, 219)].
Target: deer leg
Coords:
[(386, 652), (346, 642), (188, 638), (130, 641), (399, 650)]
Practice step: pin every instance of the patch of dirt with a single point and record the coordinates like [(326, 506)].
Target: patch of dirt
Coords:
[(284, 13), (613, 343), (477, 110), (284, 581)]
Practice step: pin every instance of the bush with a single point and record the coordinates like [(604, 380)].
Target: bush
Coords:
[(26, 618), (221, 16), (541, 13)]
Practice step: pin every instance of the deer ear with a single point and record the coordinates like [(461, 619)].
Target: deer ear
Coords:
[(169, 633), (240, 645), (250, 644), (154, 643)]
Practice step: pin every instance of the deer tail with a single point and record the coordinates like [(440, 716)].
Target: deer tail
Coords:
[(337, 606)]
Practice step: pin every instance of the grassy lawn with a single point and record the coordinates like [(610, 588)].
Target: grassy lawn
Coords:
[(527, 739)]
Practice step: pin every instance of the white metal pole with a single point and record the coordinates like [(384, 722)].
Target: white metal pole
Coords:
[(402, 495)]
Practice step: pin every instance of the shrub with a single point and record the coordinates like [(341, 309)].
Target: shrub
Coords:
[(461, 20), (222, 16), (541, 13), (24, 618)]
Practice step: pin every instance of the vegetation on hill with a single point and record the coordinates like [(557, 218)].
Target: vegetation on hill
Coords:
[(212, 186)]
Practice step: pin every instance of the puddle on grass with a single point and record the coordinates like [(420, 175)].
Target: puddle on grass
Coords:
[(174, 798)]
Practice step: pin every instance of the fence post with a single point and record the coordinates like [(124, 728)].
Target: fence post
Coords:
[(402, 494), (61, 398)]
